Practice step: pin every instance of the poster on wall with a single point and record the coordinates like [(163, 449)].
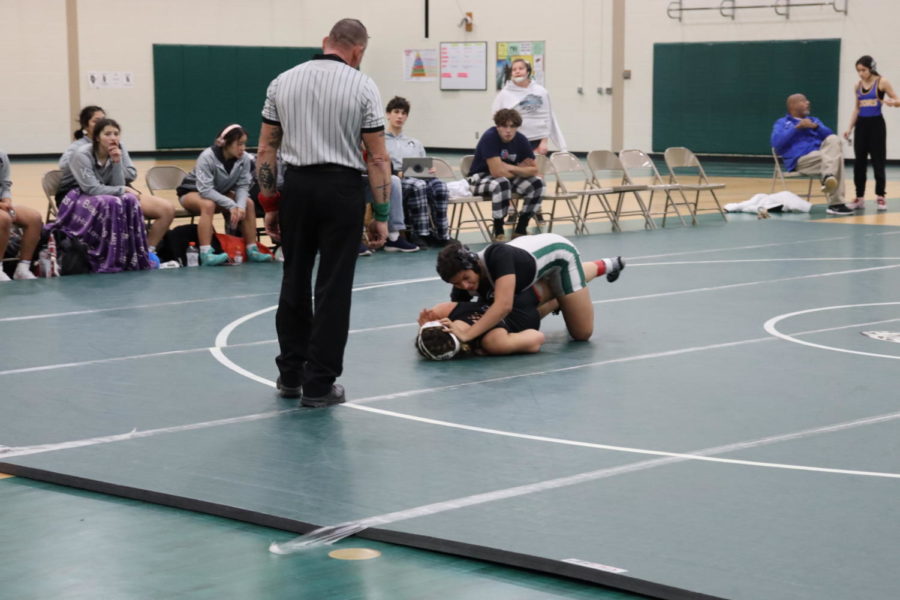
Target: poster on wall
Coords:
[(533, 52), (110, 79), (420, 65), (464, 66)]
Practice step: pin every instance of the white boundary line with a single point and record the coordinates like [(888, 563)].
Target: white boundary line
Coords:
[(770, 327)]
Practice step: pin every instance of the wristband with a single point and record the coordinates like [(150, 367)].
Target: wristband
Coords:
[(381, 210), (269, 203)]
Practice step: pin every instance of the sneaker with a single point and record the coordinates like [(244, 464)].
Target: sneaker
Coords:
[(618, 265), (418, 240), (335, 396), (881, 204), (498, 237), (4, 276), (154, 259), (400, 245), (211, 259), (364, 250), (829, 183), (255, 255), (839, 209), (858, 204), (286, 391)]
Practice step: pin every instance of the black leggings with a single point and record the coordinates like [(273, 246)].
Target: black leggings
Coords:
[(870, 139)]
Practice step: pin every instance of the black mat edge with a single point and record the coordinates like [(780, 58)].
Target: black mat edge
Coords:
[(472, 551)]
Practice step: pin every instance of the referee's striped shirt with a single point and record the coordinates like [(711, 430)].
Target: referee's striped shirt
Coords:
[(323, 106)]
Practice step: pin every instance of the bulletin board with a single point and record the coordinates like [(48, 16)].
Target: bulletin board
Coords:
[(463, 66)]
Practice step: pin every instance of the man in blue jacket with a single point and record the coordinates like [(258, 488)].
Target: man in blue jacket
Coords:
[(809, 146)]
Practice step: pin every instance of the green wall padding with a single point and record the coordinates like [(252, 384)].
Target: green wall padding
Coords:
[(198, 90), (724, 97)]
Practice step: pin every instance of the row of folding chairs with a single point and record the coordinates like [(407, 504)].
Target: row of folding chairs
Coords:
[(634, 176)]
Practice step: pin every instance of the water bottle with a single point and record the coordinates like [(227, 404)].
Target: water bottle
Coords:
[(44, 263), (238, 256), (193, 255)]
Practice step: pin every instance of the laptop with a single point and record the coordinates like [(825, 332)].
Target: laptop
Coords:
[(416, 167)]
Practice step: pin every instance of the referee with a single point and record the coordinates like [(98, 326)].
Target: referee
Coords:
[(318, 114)]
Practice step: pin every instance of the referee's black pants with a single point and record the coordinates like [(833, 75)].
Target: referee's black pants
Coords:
[(869, 139), (321, 212)]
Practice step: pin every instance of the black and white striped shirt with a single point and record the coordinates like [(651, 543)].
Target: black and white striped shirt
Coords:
[(323, 107)]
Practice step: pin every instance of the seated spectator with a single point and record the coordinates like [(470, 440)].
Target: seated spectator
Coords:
[(504, 163), (26, 218), (87, 118), (809, 146), (159, 210), (425, 199), (396, 242), (100, 209), (220, 182), (531, 100)]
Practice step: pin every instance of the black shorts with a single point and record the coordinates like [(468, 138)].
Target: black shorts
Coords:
[(524, 314)]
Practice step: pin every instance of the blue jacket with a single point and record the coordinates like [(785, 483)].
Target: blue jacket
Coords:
[(792, 143)]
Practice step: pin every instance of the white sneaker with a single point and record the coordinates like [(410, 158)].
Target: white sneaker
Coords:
[(882, 205), (4, 276), (23, 273)]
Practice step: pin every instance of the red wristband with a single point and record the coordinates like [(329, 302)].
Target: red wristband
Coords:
[(269, 203)]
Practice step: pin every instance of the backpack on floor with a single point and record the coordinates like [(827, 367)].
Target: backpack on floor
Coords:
[(175, 243), (71, 253)]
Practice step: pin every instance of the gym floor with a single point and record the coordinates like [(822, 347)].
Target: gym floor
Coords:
[(730, 431)]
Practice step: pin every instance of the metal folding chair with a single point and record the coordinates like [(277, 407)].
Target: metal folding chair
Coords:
[(50, 184), (562, 163), (682, 158), (606, 162), (638, 165)]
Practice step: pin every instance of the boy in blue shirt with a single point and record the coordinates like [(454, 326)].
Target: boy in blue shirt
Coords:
[(504, 163)]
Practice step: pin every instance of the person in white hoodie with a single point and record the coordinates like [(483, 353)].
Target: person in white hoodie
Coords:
[(531, 100)]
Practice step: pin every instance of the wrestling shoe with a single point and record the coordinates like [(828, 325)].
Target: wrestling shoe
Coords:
[(211, 259), (839, 209), (617, 265), (335, 396), (881, 204), (858, 204), (829, 183)]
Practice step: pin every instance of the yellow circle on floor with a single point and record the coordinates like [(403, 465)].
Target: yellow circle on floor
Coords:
[(354, 554)]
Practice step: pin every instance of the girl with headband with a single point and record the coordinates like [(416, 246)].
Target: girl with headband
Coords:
[(220, 182)]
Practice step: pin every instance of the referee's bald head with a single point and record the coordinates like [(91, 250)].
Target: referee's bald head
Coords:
[(348, 33)]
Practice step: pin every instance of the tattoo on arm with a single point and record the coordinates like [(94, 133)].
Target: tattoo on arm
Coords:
[(275, 136), (266, 177)]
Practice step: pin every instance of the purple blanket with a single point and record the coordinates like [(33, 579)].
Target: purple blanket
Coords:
[(111, 227)]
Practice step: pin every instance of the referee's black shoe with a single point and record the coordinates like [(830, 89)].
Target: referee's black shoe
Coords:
[(286, 391), (335, 396)]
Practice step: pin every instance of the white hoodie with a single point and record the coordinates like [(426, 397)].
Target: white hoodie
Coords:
[(533, 103)]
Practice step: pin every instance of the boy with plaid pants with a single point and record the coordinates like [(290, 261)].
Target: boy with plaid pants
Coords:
[(504, 163)]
